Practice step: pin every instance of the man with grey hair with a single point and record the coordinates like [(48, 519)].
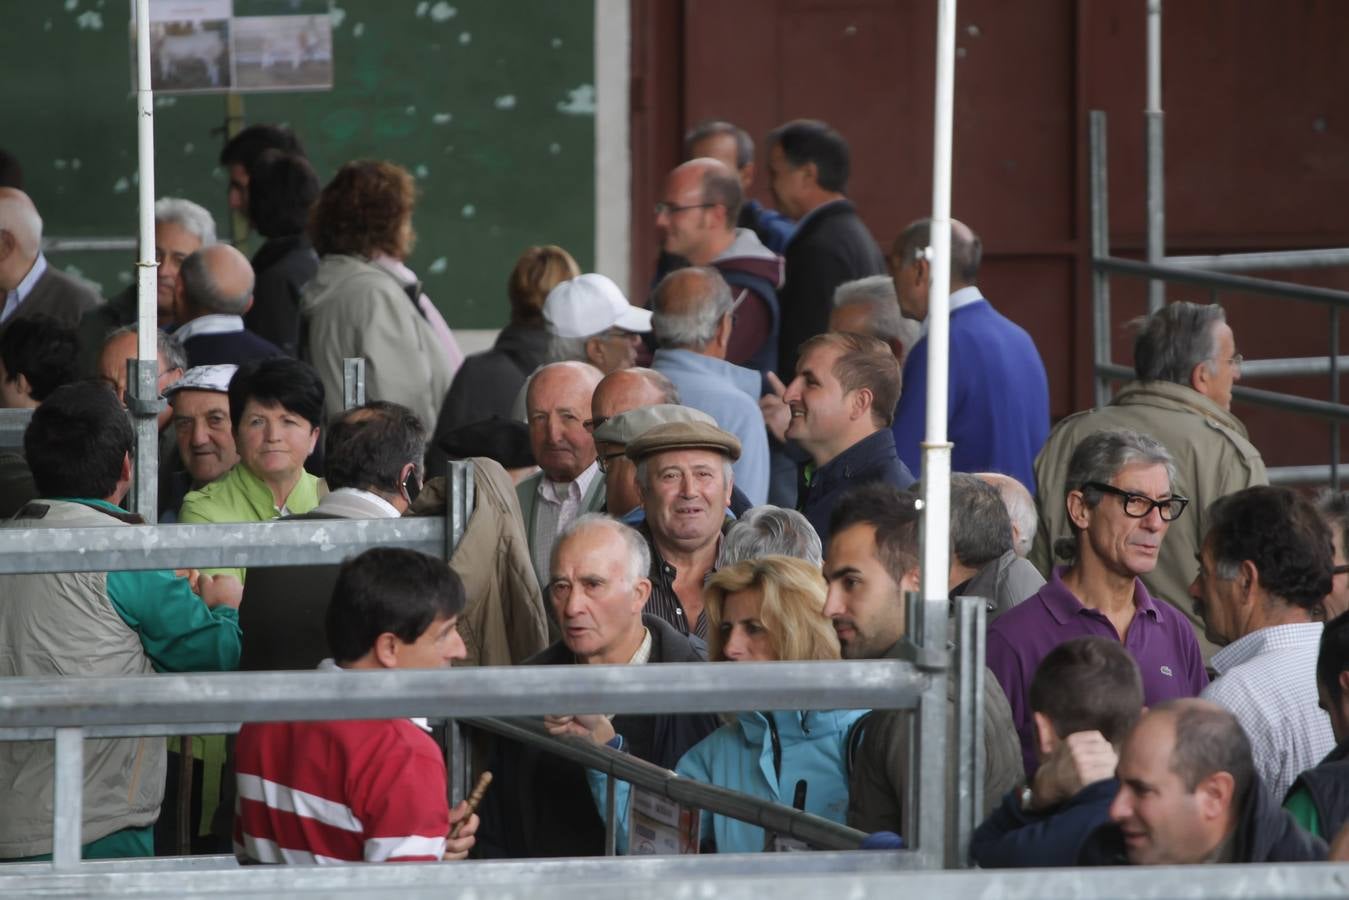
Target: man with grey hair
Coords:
[(1121, 500), (181, 229), (983, 560), (598, 589), (1185, 361), (214, 291), (28, 285), (871, 306), (1020, 507), (770, 531), (692, 321)]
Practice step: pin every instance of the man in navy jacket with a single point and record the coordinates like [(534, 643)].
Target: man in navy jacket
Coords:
[(998, 396), (215, 289), (1085, 697)]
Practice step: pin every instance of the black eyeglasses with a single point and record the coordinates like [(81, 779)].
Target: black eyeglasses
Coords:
[(669, 209), (591, 424), (1340, 570), (1137, 506), (604, 458)]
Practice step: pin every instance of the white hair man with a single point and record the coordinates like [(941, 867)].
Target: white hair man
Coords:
[(870, 306), (28, 285)]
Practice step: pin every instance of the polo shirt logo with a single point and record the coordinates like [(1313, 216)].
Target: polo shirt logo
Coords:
[(1166, 670)]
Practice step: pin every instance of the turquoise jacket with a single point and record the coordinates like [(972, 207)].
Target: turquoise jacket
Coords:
[(764, 755)]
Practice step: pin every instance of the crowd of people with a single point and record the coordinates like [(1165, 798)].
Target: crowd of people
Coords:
[(718, 468)]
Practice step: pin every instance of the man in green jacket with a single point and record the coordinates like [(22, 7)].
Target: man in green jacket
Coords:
[(1186, 360), (97, 625)]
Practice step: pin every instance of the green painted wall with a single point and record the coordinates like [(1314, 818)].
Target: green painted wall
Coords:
[(488, 102)]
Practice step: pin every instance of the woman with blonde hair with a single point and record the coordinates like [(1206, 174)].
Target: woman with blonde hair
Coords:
[(488, 382), (763, 610)]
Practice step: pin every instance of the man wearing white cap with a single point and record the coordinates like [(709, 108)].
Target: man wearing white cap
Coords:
[(201, 422), (589, 320)]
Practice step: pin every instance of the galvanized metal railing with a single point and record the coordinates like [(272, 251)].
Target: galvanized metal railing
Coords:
[(1203, 271)]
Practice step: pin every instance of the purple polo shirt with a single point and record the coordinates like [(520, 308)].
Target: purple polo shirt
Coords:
[(1160, 639)]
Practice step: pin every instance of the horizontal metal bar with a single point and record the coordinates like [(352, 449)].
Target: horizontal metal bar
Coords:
[(13, 423), (1278, 259), (1302, 474), (47, 732), (1240, 283), (247, 545), (457, 693), (814, 830), (1336, 412), (1279, 368), (75, 244), (783, 876)]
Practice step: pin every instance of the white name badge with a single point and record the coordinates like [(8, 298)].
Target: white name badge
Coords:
[(660, 827)]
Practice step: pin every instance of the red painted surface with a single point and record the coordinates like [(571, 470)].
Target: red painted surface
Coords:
[(1257, 144)]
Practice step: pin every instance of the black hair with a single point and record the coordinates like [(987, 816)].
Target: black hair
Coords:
[(278, 381), (1280, 531), (11, 170), (1088, 684), (77, 441), (42, 350), (896, 515), (282, 187), (744, 144), (369, 446), (249, 144), (1333, 657), (388, 589), (812, 141)]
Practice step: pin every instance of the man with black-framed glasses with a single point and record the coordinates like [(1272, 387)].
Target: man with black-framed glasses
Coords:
[(1120, 501), (1186, 362)]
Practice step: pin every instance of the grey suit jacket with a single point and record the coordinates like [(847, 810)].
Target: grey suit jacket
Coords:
[(528, 493), (58, 295)]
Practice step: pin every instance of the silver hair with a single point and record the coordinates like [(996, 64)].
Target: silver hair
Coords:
[(201, 291), (22, 220), (639, 554), (877, 294), (170, 349), (770, 531), (1100, 457), (192, 217), (694, 328), (1021, 508), (1175, 339), (565, 349)]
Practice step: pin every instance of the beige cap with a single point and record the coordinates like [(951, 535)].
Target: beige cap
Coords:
[(684, 436), (626, 427)]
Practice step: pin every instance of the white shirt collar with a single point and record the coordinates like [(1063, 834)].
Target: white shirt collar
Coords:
[(384, 505), (25, 287), (215, 323), (963, 297), (559, 491)]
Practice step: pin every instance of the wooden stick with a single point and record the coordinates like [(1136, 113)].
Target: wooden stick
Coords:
[(474, 799)]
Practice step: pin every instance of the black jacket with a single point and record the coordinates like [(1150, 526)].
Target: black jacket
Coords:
[(1265, 834), (871, 459), (1328, 786), (282, 267), (1015, 838), (540, 805), (830, 246), (228, 349)]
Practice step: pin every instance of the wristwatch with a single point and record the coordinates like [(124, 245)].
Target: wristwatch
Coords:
[(1027, 795)]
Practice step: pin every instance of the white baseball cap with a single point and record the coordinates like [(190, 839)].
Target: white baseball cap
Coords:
[(589, 304), (203, 378)]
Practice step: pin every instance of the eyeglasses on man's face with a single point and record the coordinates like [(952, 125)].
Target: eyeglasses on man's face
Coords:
[(669, 209), (1138, 506), (604, 460)]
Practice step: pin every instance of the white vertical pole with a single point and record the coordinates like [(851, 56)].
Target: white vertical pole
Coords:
[(936, 448), (1156, 159), (142, 375), (613, 158)]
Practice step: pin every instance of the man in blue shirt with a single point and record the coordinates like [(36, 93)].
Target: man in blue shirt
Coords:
[(998, 396)]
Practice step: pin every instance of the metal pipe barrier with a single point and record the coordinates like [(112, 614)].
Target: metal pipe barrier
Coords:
[(1188, 271), (817, 831)]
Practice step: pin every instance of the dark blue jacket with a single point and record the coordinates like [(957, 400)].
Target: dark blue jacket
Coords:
[(1011, 838), (997, 400), (870, 459), (228, 349)]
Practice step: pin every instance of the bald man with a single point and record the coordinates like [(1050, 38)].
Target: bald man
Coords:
[(215, 289), (568, 483), (696, 219), (998, 416), (28, 285)]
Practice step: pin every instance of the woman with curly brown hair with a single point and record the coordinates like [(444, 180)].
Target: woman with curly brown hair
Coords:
[(365, 302)]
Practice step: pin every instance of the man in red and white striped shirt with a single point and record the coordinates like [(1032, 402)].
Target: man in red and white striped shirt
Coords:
[(353, 791)]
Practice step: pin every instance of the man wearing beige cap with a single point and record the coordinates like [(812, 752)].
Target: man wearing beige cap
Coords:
[(685, 482), (589, 320)]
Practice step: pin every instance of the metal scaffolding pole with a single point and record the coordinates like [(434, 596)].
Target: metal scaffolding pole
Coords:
[(143, 372), (1155, 151), (1100, 249)]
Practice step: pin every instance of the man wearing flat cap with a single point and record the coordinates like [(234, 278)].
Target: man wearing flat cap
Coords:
[(684, 480), (620, 473)]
